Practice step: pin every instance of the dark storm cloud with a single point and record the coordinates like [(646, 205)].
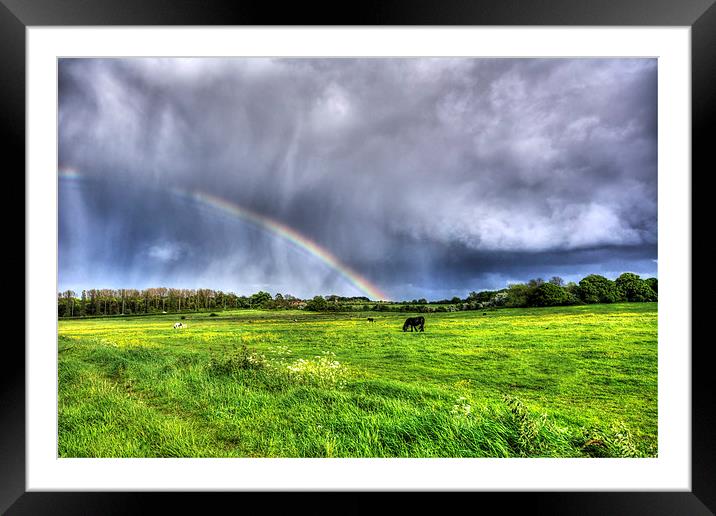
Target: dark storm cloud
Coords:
[(425, 175)]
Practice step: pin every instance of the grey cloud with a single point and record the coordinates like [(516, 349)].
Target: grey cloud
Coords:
[(380, 161)]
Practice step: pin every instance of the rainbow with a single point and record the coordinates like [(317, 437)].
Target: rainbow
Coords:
[(269, 225)]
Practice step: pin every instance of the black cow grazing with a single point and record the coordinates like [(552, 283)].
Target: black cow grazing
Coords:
[(370, 319), (414, 323)]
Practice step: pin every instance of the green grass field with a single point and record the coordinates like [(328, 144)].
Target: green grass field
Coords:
[(575, 381)]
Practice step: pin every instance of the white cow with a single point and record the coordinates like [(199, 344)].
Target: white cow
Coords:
[(179, 325)]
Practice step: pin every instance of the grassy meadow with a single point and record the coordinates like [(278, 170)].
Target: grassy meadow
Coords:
[(577, 381)]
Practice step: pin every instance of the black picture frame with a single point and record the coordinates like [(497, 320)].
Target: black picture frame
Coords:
[(699, 15)]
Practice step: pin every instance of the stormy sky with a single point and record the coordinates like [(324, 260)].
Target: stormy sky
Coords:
[(425, 177)]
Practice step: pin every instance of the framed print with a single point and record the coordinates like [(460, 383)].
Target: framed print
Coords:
[(269, 254)]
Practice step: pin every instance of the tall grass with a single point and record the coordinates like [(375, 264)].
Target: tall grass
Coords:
[(564, 382)]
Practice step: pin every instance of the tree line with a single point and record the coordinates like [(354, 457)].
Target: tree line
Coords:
[(537, 292), (102, 302), (628, 287)]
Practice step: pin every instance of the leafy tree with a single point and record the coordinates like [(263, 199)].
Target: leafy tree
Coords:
[(517, 295), (279, 301), (499, 298), (549, 294), (653, 283), (260, 299), (573, 289), (317, 304), (632, 288), (597, 289)]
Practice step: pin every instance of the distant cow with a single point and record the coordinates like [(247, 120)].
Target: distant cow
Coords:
[(179, 325), (370, 319), (414, 323)]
